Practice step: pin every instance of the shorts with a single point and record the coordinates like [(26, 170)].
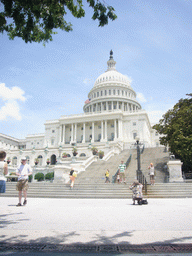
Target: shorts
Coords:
[(122, 175), (22, 185), (2, 186)]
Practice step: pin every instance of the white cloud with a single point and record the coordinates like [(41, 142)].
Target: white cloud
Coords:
[(15, 93), (141, 97), (10, 109), (10, 99)]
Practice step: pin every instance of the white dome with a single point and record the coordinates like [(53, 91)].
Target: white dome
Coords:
[(112, 76)]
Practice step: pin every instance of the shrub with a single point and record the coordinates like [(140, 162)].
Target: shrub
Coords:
[(49, 176), (39, 176), (30, 178)]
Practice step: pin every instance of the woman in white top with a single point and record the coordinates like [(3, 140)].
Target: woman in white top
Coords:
[(152, 173), (3, 171)]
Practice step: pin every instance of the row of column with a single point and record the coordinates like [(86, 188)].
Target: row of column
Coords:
[(104, 131), (106, 106)]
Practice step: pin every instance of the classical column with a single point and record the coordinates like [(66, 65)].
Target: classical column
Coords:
[(120, 128), (105, 130), (63, 141), (117, 105), (101, 130), (75, 135), (83, 133), (71, 132), (115, 128), (123, 105), (60, 134), (93, 132)]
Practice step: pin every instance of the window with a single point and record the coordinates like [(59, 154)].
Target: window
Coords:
[(113, 92), (105, 92), (97, 94), (53, 131), (52, 142), (101, 93), (112, 126), (90, 127), (156, 134), (122, 93), (134, 135), (99, 127), (134, 123), (81, 128), (118, 92), (109, 92)]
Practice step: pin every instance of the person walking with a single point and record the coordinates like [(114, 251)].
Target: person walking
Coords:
[(107, 177), (3, 171), (72, 176), (122, 168), (152, 173), (23, 172)]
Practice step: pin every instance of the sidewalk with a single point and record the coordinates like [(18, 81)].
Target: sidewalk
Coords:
[(96, 221)]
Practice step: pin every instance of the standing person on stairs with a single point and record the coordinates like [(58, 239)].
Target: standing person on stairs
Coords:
[(122, 168), (152, 173)]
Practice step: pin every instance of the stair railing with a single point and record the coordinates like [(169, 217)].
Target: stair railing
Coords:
[(141, 178), (114, 177)]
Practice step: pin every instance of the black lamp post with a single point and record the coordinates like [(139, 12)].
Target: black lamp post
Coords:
[(138, 158)]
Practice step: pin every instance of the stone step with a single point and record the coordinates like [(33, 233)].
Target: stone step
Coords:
[(100, 190)]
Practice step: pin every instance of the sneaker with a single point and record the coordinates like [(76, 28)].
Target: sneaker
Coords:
[(18, 204), (25, 202)]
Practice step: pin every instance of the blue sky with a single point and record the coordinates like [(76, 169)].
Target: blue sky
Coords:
[(152, 45)]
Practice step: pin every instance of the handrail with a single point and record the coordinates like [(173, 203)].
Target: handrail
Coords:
[(141, 178), (142, 150), (127, 164)]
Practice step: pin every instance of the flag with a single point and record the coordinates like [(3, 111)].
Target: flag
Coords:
[(87, 101)]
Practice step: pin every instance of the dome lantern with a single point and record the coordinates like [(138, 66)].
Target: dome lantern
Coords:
[(111, 63)]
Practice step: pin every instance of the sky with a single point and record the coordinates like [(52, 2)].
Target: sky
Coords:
[(151, 43)]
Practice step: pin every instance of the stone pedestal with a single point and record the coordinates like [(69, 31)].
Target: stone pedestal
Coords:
[(175, 171), (61, 174)]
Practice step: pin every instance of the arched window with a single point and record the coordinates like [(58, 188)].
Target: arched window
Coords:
[(40, 159), (53, 159), (82, 155)]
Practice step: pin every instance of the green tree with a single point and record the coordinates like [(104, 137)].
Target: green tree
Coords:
[(35, 20), (176, 130)]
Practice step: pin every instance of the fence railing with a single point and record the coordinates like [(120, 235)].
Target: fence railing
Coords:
[(141, 178), (114, 177)]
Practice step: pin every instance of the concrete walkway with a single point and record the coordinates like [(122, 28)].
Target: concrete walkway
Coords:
[(96, 221)]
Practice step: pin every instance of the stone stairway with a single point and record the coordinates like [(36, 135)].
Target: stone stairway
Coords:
[(99, 190), (91, 183), (159, 158), (95, 173), (57, 190)]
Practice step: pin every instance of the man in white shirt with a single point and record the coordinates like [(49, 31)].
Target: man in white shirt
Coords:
[(23, 172)]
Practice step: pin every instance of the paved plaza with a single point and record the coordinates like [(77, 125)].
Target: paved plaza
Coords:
[(96, 221)]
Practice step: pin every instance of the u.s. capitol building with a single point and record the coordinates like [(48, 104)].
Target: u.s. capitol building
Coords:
[(111, 121)]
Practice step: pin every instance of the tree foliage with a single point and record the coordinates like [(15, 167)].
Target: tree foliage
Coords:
[(176, 130), (35, 20)]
